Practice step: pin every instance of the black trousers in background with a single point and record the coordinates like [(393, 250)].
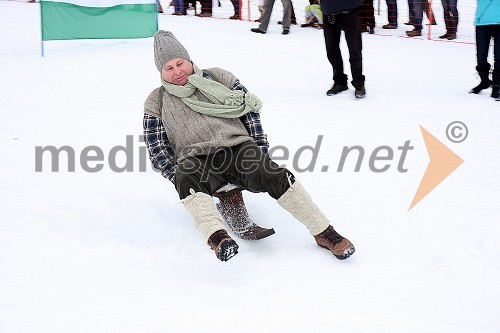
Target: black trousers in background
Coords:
[(484, 34), (243, 165), (206, 6), (350, 24), (367, 14)]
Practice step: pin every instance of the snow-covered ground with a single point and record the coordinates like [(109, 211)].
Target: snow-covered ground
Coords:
[(116, 252)]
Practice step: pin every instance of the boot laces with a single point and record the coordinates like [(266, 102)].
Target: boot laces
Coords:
[(331, 235)]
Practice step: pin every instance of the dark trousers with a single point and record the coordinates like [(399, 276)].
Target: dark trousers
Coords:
[(243, 165), (484, 34), (206, 6), (349, 23), (180, 7), (367, 14), (416, 11), (236, 5), (392, 11), (450, 15)]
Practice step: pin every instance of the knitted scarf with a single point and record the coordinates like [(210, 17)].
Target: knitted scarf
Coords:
[(226, 103)]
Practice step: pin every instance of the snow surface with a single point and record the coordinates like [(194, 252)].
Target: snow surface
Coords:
[(116, 252)]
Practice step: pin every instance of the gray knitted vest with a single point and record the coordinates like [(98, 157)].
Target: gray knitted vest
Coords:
[(191, 133)]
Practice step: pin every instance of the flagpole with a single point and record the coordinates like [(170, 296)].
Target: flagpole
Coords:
[(41, 30), (157, 15)]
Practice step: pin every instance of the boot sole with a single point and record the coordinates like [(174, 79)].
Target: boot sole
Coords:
[(256, 234), (227, 250), (347, 253)]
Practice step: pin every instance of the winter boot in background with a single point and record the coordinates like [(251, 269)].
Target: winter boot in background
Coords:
[(232, 208), (485, 80), (208, 221), (298, 203), (360, 92), (337, 88), (339, 85), (414, 33), (495, 90)]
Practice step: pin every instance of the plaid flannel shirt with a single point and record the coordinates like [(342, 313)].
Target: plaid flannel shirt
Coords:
[(162, 154)]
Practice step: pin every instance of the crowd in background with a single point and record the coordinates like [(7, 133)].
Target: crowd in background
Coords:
[(361, 18), (313, 15)]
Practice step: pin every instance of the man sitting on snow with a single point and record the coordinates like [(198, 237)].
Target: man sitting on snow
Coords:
[(203, 131)]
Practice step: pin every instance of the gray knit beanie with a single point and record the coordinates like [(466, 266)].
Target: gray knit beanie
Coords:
[(166, 48)]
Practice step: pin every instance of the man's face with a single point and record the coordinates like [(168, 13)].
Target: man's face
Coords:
[(176, 71)]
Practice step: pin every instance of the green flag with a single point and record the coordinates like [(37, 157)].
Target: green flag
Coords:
[(98, 19)]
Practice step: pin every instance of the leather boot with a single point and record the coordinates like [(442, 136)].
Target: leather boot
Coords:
[(224, 246), (340, 247), (232, 208)]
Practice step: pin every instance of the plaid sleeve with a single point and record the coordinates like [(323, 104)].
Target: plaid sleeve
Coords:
[(161, 153), (253, 124)]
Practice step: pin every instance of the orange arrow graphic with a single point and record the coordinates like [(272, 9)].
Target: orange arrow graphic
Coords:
[(442, 162)]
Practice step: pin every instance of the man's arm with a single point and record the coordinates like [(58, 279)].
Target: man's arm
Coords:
[(253, 124), (161, 153)]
